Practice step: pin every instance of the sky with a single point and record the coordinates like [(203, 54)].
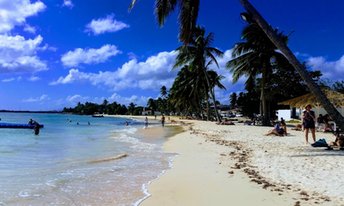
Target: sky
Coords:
[(56, 53)]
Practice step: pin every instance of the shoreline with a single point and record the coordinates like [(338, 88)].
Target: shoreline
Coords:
[(231, 165), (151, 133)]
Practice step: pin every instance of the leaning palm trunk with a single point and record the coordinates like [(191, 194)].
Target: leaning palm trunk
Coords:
[(218, 118), (208, 107), (313, 87), (263, 106)]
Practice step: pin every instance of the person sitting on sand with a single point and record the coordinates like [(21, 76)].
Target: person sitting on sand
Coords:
[(320, 123), (338, 142), (277, 130), (284, 126), (328, 126)]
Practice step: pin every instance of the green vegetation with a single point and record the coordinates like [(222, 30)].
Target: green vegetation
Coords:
[(251, 58), (196, 57), (91, 108)]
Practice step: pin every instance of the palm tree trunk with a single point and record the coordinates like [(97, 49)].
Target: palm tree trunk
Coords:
[(313, 87), (208, 108), (218, 118), (212, 92), (266, 118)]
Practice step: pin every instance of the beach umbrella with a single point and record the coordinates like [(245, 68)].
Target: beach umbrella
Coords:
[(336, 98)]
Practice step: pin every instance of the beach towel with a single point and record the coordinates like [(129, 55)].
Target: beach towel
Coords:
[(320, 143)]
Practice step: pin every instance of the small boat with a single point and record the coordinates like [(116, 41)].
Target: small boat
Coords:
[(18, 126), (97, 115)]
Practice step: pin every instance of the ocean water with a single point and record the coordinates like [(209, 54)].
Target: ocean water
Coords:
[(57, 167)]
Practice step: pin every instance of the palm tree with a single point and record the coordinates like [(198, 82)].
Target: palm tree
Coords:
[(196, 54), (252, 57), (188, 13), (255, 17), (187, 92), (233, 100), (131, 108), (151, 104), (163, 92), (163, 100), (214, 81)]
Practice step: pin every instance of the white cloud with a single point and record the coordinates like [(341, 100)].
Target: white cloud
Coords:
[(19, 54), (132, 55), (89, 56), (227, 55), (71, 77), (9, 80), (42, 98), (103, 25), (333, 70), (14, 13), (127, 100), (46, 47), (73, 100), (150, 74), (30, 29), (33, 78), (68, 4), (76, 98), (12, 79)]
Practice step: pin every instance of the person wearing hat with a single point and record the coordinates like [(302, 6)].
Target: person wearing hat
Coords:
[(309, 119)]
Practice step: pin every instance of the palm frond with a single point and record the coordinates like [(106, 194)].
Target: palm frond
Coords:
[(212, 57), (131, 6), (216, 79), (163, 8), (187, 19), (241, 48), (209, 39)]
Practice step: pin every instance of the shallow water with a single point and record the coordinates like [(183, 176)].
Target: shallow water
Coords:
[(54, 168)]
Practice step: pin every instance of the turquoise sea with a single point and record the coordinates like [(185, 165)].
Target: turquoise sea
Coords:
[(55, 167)]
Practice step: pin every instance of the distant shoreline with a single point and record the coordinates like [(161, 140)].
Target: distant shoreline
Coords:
[(19, 111)]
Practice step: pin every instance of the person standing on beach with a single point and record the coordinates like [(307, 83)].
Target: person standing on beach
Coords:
[(309, 119), (163, 120), (146, 122)]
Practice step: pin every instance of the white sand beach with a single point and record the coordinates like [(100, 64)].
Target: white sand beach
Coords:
[(238, 165)]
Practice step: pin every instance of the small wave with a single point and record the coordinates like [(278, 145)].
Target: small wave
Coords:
[(51, 183), (145, 186), (136, 143), (128, 130), (24, 194), (107, 159), (145, 192)]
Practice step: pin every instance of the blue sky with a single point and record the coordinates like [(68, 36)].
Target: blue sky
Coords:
[(55, 53)]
